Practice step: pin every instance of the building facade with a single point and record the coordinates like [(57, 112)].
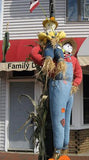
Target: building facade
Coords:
[(73, 18)]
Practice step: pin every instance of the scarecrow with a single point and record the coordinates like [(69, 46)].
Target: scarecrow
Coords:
[(63, 83), (61, 93), (52, 50)]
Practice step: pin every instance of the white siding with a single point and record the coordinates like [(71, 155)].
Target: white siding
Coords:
[(26, 25), (1, 19), (2, 111), (22, 23)]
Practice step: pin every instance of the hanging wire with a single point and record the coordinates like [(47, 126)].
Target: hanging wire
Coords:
[(44, 13)]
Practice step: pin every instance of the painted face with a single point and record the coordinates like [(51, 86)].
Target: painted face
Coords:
[(68, 48), (50, 26)]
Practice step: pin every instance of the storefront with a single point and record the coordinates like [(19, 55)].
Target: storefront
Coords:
[(16, 78)]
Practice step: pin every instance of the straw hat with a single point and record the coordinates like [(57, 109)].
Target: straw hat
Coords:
[(72, 42), (52, 19)]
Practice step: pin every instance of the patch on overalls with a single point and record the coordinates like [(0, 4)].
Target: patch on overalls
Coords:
[(64, 81), (63, 110), (63, 122)]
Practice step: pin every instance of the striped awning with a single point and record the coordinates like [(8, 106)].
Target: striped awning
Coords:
[(83, 53), (83, 60)]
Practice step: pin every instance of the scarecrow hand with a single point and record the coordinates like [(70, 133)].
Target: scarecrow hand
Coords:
[(48, 66), (74, 89)]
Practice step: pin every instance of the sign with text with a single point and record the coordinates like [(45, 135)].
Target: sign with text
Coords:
[(17, 66)]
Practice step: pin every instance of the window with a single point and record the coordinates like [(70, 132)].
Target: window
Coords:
[(77, 10), (86, 99)]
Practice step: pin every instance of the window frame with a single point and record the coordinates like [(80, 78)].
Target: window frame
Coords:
[(79, 14), (85, 3)]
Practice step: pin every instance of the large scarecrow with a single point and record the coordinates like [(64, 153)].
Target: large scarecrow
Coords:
[(65, 74)]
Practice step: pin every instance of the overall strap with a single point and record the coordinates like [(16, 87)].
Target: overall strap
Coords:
[(67, 56)]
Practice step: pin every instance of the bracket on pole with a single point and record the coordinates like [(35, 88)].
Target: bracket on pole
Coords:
[(52, 8)]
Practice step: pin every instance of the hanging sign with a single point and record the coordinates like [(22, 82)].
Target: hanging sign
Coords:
[(17, 66)]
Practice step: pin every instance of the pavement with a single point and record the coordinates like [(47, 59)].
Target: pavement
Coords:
[(31, 156), (17, 156)]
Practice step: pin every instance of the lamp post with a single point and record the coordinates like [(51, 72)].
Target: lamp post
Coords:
[(52, 8), (48, 131)]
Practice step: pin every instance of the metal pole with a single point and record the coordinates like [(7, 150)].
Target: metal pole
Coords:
[(52, 8)]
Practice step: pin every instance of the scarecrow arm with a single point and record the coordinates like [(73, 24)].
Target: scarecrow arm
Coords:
[(36, 56), (77, 74)]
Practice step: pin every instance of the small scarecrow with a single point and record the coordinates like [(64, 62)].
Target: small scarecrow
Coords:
[(52, 50)]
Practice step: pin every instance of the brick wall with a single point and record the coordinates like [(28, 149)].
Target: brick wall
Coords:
[(79, 141)]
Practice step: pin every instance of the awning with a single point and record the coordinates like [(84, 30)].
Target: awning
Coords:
[(19, 52), (17, 55), (83, 53)]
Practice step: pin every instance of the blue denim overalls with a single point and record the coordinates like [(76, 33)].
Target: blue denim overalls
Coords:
[(56, 53), (61, 102)]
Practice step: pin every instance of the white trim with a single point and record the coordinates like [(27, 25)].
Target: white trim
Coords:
[(7, 118), (2, 13), (82, 127)]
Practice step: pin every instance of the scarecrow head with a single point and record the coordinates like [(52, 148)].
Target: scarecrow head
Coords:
[(50, 24), (69, 46)]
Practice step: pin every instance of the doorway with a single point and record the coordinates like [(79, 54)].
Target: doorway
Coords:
[(18, 114)]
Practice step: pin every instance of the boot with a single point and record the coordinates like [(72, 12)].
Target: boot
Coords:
[(64, 152), (56, 154)]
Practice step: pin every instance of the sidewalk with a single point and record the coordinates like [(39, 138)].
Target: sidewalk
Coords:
[(17, 156), (29, 156)]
